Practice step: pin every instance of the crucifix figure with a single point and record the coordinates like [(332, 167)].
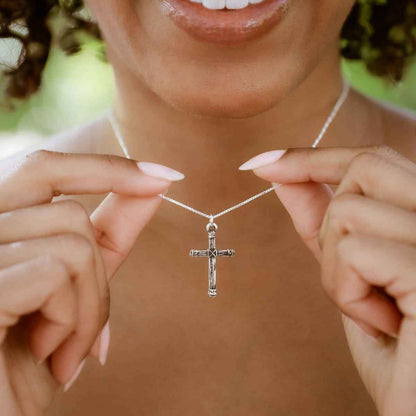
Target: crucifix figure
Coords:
[(212, 253)]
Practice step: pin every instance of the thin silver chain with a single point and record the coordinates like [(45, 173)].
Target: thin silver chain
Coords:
[(343, 96)]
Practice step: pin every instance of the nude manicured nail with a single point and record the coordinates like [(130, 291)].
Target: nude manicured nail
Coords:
[(159, 171), (263, 159), (276, 185), (75, 376), (104, 343)]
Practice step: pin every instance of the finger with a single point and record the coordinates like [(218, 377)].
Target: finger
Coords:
[(324, 165), (306, 204), (369, 330), (95, 349), (60, 217), (77, 254), (330, 165), (380, 178), (369, 263), (43, 174), (118, 221), (378, 173), (101, 344), (39, 284), (352, 213), (375, 310), (112, 229)]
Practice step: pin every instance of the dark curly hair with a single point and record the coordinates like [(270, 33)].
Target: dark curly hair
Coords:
[(381, 33)]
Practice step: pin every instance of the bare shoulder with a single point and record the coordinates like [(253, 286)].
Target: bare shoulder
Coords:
[(399, 130), (397, 126), (80, 139)]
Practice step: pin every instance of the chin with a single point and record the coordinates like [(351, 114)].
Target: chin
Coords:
[(225, 103), (231, 91), (203, 77)]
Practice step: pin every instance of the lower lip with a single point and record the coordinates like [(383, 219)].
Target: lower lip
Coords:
[(225, 27)]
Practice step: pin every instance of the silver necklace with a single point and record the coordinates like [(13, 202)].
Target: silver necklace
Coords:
[(212, 252)]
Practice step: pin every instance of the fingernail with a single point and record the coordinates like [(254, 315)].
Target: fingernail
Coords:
[(263, 159), (75, 376), (104, 343), (276, 185), (160, 171)]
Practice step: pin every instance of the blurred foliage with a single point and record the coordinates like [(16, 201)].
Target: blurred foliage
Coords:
[(77, 88), (381, 33), (402, 94), (74, 90)]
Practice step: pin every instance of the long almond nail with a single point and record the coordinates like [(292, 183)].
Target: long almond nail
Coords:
[(263, 159), (75, 376), (159, 171), (104, 343), (276, 186)]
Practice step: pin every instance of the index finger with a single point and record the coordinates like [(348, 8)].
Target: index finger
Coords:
[(43, 174), (323, 165)]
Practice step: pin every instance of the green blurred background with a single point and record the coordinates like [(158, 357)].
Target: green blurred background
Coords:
[(78, 88)]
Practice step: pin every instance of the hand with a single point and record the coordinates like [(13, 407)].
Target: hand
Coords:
[(364, 236), (56, 261)]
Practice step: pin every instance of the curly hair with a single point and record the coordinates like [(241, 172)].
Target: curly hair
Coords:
[(381, 33)]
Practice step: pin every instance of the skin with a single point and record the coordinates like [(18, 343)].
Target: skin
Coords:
[(272, 342)]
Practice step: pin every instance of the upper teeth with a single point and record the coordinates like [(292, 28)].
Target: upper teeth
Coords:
[(226, 4)]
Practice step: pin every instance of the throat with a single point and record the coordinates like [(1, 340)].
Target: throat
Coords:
[(209, 150)]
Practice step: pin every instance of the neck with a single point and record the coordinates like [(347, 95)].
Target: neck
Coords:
[(209, 150)]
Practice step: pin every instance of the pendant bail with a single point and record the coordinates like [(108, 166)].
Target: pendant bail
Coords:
[(211, 226)]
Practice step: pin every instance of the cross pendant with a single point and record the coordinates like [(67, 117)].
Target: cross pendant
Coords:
[(212, 253)]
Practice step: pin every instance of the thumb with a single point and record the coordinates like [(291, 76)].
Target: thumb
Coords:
[(117, 221), (306, 204)]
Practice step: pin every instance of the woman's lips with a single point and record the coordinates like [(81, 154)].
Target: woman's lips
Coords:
[(225, 27)]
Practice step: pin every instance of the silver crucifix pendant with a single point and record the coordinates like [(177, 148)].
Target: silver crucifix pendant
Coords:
[(212, 253)]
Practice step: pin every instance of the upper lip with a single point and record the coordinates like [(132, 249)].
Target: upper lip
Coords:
[(224, 26)]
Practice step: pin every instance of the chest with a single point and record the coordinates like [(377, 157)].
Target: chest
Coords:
[(269, 343)]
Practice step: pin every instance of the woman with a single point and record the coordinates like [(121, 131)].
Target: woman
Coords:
[(203, 90)]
